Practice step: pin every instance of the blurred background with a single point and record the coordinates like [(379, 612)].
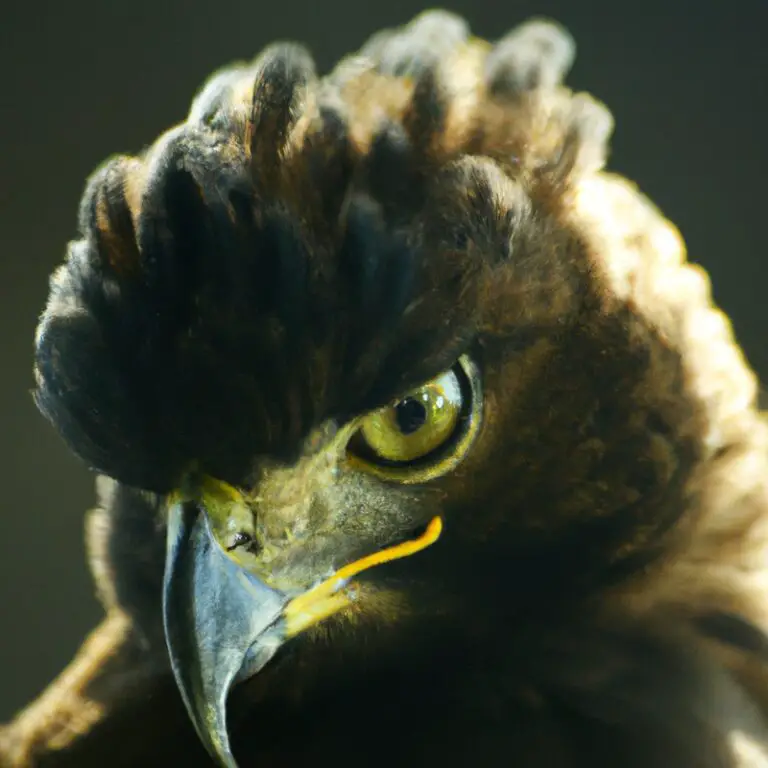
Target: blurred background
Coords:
[(685, 80)]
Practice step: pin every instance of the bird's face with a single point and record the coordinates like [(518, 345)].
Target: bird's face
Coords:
[(446, 508), (250, 568), (354, 331)]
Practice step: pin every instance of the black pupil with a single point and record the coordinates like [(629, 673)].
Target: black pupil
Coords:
[(411, 415)]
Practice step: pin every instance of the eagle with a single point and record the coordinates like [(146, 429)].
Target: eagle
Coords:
[(418, 440)]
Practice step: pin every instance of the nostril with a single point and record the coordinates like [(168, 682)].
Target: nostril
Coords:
[(243, 540)]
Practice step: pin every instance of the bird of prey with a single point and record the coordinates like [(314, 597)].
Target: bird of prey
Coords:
[(419, 441)]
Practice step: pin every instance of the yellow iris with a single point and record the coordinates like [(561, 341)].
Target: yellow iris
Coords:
[(418, 424)]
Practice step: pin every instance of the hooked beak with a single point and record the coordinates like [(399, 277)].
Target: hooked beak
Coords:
[(223, 624), (220, 623)]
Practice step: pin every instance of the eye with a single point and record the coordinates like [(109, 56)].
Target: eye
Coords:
[(425, 432), (418, 424)]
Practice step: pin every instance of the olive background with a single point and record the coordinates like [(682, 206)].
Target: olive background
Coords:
[(84, 79)]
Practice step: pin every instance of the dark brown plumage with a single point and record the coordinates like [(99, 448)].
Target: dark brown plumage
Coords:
[(303, 251)]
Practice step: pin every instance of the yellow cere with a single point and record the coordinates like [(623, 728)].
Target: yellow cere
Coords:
[(225, 507), (418, 424)]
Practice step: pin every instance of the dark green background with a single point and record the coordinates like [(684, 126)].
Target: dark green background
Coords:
[(82, 79)]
